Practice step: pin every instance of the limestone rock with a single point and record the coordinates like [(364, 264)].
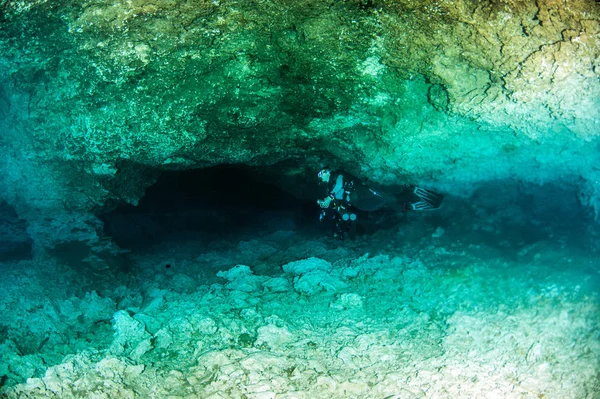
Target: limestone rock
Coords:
[(242, 279), (97, 98)]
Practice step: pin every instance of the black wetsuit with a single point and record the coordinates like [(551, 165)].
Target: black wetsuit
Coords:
[(342, 190), (348, 194), (367, 199), (345, 188)]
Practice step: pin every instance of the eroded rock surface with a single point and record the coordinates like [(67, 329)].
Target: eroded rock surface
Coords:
[(98, 97)]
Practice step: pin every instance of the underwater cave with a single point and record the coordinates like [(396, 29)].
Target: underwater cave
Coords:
[(226, 202), (163, 232)]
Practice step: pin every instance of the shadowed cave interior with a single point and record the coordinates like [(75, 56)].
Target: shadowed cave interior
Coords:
[(236, 202), (192, 226), (223, 202)]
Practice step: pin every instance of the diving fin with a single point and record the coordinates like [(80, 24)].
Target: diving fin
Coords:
[(428, 199)]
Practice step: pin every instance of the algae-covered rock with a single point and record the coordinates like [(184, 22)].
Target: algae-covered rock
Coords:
[(304, 266), (241, 279), (131, 338)]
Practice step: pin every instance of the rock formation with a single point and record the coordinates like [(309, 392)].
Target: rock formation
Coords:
[(98, 98)]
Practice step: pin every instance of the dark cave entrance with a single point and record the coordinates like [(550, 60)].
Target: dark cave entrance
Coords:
[(15, 243), (511, 215), (231, 203), (227, 202)]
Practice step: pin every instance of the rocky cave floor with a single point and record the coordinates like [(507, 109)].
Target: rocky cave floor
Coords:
[(461, 303)]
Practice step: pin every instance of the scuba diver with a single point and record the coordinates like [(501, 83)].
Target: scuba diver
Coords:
[(346, 195)]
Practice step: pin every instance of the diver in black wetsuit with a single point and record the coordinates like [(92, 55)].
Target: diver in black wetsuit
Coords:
[(346, 194), (336, 208)]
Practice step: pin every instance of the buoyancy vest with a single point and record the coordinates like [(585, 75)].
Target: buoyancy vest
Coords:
[(340, 187)]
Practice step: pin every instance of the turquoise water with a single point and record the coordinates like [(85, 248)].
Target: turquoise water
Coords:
[(492, 295), (159, 231)]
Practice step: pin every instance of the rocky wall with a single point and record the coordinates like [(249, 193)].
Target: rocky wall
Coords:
[(98, 97)]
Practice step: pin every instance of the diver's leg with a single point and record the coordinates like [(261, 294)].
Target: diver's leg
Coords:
[(368, 200)]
